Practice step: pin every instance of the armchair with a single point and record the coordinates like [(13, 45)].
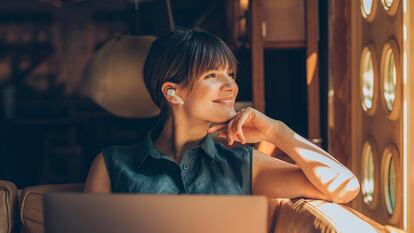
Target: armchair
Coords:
[(285, 215)]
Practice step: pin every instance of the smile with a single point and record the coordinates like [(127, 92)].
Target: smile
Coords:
[(229, 102)]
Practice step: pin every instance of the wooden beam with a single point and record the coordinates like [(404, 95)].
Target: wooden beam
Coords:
[(340, 44), (312, 71), (256, 37)]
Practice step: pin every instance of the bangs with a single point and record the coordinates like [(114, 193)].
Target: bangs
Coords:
[(210, 53)]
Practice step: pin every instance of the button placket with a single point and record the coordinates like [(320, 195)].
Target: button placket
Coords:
[(185, 165)]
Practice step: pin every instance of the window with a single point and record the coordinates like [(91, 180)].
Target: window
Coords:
[(390, 79), (387, 3), (368, 80), (390, 6), (390, 183), (368, 176), (368, 9)]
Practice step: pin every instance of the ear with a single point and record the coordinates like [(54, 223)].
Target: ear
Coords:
[(164, 88)]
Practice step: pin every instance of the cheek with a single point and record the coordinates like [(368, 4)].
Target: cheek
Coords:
[(199, 103), (200, 100), (202, 107), (204, 92)]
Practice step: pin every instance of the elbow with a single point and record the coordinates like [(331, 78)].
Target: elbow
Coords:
[(346, 194), (351, 190)]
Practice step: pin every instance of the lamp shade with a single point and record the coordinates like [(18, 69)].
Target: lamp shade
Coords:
[(114, 77)]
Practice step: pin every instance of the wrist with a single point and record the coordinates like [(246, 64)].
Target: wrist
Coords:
[(276, 131)]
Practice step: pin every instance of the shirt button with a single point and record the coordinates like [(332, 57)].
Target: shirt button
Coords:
[(185, 166)]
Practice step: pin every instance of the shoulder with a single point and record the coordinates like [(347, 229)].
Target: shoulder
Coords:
[(123, 158), (99, 162), (120, 152), (120, 149), (98, 178)]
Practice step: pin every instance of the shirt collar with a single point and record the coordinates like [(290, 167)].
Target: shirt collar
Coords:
[(148, 149), (209, 146)]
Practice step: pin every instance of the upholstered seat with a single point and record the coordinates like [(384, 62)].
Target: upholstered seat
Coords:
[(285, 215), (8, 206)]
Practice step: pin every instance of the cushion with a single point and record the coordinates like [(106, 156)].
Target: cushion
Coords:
[(31, 204), (8, 206)]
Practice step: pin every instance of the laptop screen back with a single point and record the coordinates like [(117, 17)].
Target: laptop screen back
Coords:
[(134, 213)]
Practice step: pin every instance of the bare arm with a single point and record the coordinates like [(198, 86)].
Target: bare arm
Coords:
[(316, 173), (98, 180), (275, 178), (333, 179)]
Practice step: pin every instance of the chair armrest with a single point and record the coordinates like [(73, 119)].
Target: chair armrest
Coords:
[(8, 206), (308, 215), (31, 204)]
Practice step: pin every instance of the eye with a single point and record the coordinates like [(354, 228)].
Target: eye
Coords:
[(232, 75), (212, 75)]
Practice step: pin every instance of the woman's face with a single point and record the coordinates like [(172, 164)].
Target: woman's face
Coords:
[(212, 96)]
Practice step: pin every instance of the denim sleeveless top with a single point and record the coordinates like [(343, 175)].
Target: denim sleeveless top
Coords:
[(207, 168)]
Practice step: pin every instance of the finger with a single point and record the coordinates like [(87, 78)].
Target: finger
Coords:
[(230, 133), (235, 135), (242, 119), (216, 128), (238, 133), (241, 136)]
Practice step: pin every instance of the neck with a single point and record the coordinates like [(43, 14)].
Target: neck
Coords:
[(178, 134)]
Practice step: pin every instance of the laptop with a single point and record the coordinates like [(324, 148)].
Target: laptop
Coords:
[(136, 213)]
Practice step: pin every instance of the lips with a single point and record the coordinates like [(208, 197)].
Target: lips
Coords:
[(225, 101)]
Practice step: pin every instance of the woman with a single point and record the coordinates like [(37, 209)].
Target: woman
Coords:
[(191, 77)]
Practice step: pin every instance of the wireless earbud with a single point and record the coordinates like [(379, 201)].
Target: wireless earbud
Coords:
[(171, 92)]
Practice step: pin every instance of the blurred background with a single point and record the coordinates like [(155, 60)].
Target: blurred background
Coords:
[(338, 72), (50, 131)]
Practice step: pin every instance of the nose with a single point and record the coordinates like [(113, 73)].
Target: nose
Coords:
[(229, 84)]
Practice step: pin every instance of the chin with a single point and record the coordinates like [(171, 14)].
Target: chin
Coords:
[(224, 116)]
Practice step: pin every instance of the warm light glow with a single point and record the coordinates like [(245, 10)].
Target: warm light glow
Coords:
[(405, 170), (244, 4), (390, 80), (405, 9), (325, 174), (405, 113), (405, 33), (332, 175), (328, 171), (367, 79), (314, 156), (341, 218), (311, 64), (331, 114), (266, 147)]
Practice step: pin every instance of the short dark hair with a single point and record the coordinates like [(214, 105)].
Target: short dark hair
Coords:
[(182, 55)]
